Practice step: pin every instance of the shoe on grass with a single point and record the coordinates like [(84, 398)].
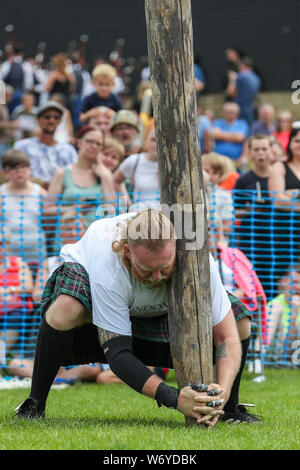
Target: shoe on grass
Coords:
[(240, 415), (30, 409)]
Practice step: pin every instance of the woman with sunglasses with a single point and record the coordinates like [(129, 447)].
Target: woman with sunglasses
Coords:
[(87, 183), (284, 188)]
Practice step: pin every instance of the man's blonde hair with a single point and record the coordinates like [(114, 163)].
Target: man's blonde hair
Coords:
[(149, 228), (105, 70)]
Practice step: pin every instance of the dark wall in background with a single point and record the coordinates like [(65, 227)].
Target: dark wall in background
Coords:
[(267, 30)]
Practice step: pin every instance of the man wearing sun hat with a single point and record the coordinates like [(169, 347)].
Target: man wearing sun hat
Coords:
[(45, 154), (125, 127)]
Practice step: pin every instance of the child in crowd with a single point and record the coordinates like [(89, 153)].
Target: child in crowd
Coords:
[(252, 210), (219, 201), (277, 152), (25, 115), (21, 201), (113, 153), (103, 80), (101, 118)]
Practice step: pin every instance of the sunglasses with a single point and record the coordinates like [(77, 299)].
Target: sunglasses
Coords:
[(56, 117)]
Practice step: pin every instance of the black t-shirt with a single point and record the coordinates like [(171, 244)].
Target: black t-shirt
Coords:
[(246, 189), (94, 101), (253, 229)]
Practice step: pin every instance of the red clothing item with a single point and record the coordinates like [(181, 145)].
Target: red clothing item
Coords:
[(229, 181), (10, 278), (283, 138), (246, 279)]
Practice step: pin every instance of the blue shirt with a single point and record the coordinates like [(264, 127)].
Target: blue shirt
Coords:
[(46, 159), (94, 101), (231, 149), (259, 127), (248, 85), (204, 124)]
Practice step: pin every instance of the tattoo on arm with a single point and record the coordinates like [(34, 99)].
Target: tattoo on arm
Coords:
[(105, 335), (221, 351)]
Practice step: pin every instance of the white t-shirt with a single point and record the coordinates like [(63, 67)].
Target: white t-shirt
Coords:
[(145, 176), (116, 293)]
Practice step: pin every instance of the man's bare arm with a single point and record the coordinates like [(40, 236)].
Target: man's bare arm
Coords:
[(228, 352)]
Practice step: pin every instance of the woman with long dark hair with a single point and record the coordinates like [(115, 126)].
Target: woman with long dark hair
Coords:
[(284, 188)]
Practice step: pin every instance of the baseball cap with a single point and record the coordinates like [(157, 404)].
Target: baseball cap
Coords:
[(50, 105), (124, 117)]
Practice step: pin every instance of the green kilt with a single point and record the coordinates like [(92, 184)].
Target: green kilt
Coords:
[(150, 336)]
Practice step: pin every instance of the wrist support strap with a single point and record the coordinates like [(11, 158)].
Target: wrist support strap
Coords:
[(167, 396), (124, 364)]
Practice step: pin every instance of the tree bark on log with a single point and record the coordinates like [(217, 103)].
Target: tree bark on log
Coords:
[(171, 62)]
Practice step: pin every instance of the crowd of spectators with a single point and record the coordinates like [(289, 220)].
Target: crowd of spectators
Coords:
[(70, 139)]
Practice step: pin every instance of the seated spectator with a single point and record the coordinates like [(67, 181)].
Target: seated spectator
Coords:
[(260, 157), (21, 201), (265, 124), (100, 117), (15, 289), (7, 126), (236, 271), (65, 130), (284, 127), (45, 154), (142, 170), (112, 154), (87, 181), (125, 128), (25, 117), (142, 104), (230, 133), (210, 114), (60, 80), (199, 75), (219, 201), (103, 80), (18, 74), (284, 317), (239, 279), (205, 131), (252, 209), (72, 228), (220, 169), (143, 86), (277, 152), (284, 188)]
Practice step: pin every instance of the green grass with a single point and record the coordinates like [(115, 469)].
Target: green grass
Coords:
[(114, 417)]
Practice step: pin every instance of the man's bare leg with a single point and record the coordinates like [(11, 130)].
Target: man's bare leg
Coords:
[(54, 343)]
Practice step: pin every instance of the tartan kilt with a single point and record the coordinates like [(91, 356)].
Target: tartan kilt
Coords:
[(150, 336)]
